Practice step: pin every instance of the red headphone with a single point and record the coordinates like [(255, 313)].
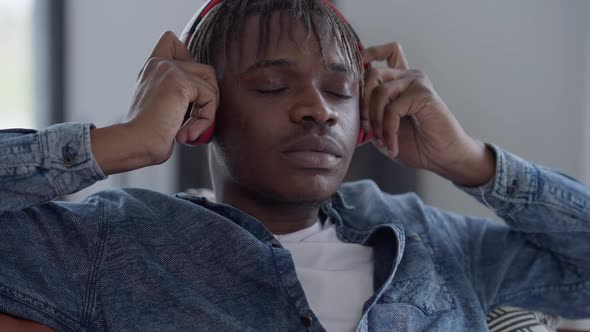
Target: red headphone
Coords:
[(188, 33)]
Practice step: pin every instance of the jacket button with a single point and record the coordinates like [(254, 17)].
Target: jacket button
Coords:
[(68, 155), (511, 190), (307, 320), (275, 244)]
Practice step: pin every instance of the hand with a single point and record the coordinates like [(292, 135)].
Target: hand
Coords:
[(167, 84), (169, 81), (412, 124)]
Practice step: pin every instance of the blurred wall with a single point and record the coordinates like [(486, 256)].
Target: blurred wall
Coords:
[(586, 120), (514, 73)]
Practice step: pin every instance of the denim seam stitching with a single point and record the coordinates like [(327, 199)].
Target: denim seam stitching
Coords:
[(17, 164), (551, 191), (46, 162), (556, 208), (96, 265), (27, 162), (551, 204), (291, 299), (89, 156), (29, 301), (568, 287)]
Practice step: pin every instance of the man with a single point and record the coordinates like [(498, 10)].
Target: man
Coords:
[(286, 247)]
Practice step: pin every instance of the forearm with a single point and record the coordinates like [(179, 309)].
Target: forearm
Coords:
[(37, 166), (551, 208), (542, 255)]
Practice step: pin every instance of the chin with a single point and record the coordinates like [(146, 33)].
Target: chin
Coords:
[(308, 188)]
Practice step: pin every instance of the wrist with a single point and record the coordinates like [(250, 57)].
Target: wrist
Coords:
[(476, 168), (118, 149)]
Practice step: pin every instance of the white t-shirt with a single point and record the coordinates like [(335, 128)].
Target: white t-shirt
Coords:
[(337, 277)]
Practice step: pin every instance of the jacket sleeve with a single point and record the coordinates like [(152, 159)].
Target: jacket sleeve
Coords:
[(49, 251), (540, 259), (38, 166)]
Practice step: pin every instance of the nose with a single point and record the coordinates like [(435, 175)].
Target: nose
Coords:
[(312, 107)]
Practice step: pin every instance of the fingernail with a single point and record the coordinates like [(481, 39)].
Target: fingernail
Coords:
[(392, 154)]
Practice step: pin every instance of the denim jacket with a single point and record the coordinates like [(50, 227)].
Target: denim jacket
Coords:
[(138, 260)]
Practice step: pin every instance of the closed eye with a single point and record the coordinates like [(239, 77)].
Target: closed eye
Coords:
[(339, 95), (271, 91)]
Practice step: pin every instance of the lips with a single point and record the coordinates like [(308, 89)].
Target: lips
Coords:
[(314, 152)]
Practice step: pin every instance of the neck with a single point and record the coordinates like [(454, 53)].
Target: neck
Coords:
[(277, 216)]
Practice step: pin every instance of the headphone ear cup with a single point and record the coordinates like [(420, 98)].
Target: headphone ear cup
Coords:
[(206, 136), (359, 139), (364, 137)]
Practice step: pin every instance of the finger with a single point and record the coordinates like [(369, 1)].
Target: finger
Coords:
[(391, 125), (374, 78), (182, 136), (201, 92), (192, 129), (405, 131), (202, 114), (406, 135), (197, 129), (382, 95), (205, 72), (405, 108), (171, 48), (392, 53), (168, 47), (207, 98)]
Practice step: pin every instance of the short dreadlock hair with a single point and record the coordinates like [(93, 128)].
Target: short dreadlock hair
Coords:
[(224, 25)]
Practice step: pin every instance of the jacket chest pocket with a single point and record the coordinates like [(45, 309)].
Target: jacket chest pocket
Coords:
[(415, 305), (417, 282), (422, 294)]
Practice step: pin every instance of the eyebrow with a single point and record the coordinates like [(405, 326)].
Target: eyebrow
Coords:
[(285, 63), (278, 63)]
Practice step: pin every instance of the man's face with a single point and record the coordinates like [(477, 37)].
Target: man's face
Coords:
[(288, 122)]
